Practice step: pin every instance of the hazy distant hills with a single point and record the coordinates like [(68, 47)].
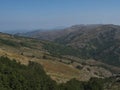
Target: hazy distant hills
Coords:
[(100, 42), (43, 34), (56, 33)]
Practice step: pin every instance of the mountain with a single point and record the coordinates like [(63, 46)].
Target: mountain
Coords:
[(20, 68), (42, 34), (55, 33), (97, 41), (52, 56), (28, 63), (15, 31)]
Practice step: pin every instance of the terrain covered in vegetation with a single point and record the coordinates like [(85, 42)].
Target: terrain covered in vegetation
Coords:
[(15, 76), (61, 62), (75, 60), (97, 41)]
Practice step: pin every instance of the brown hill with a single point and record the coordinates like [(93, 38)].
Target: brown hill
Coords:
[(99, 42), (60, 69)]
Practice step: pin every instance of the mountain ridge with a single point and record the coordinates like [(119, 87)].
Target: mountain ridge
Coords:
[(100, 42), (25, 49)]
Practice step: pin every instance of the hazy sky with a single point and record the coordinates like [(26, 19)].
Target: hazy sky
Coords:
[(35, 14)]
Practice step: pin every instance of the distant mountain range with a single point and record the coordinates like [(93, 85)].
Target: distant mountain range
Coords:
[(96, 41)]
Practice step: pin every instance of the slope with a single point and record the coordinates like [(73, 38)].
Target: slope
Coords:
[(99, 42), (59, 66)]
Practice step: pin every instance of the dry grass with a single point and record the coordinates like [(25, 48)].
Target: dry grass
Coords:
[(58, 71)]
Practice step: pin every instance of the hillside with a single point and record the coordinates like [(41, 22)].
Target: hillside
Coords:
[(28, 49), (52, 56), (15, 76), (99, 42)]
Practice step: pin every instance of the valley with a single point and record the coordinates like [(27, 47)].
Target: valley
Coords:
[(64, 61)]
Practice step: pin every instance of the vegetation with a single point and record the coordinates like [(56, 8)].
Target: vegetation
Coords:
[(103, 46), (15, 76), (9, 42), (58, 50)]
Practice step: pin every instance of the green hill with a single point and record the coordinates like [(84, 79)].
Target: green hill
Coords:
[(99, 42)]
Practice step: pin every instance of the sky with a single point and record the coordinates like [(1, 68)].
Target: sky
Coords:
[(48, 14)]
